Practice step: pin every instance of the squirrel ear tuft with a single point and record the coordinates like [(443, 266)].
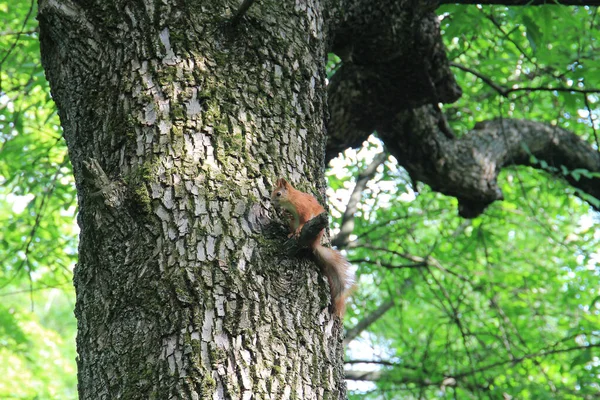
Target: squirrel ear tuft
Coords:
[(282, 183)]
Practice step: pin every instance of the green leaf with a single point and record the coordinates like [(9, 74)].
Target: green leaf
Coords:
[(583, 358), (533, 33)]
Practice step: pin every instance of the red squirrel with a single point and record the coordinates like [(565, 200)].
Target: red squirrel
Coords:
[(303, 207)]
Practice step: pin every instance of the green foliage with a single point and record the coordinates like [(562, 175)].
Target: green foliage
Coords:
[(37, 209), (37, 349), (504, 305), (549, 50)]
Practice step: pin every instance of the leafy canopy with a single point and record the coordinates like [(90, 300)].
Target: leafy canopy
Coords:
[(505, 305)]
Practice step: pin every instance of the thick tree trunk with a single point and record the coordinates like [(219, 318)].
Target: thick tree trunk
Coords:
[(177, 124)]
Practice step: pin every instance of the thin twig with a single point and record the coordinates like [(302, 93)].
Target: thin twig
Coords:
[(30, 32), (347, 225), (34, 228), (515, 361), (420, 264), (504, 92), (428, 261), (363, 324), (591, 116), (14, 44), (28, 290)]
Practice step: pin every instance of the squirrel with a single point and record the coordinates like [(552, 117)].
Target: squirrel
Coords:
[(303, 207)]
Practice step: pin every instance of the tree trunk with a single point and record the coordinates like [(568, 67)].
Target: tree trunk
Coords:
[(178, 122)]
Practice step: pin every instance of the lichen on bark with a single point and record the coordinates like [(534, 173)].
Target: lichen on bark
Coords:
[(181, 292)]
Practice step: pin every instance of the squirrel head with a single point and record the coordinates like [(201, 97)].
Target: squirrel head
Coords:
[(280, 192)]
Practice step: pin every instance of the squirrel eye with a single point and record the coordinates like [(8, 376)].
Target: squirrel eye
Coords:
[(278, 194)]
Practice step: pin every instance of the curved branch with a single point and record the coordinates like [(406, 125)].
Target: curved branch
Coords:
[(468, 168), (395, 72), (393, 59)]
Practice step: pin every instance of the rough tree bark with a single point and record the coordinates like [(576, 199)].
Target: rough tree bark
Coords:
[(177, 122)]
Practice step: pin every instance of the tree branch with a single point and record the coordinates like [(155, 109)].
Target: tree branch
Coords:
[(363, 324), (347, 226), (468, 168), (14, 43), (376, 375), (504, 92), (391, 82), (418, 262), (309, 232), (241, 11), (377, 362), (393, 59), (371, 376), (518, 360), (591, 118)]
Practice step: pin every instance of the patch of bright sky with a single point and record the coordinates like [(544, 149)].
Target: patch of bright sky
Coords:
[(18, 203), (5, 101), (385, 190), (365, 346)]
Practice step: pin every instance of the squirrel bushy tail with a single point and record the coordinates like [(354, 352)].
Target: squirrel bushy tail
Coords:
[(302, 207), (337, 270)]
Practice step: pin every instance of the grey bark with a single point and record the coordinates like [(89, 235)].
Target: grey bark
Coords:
[(177, 123), (468, 168)]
